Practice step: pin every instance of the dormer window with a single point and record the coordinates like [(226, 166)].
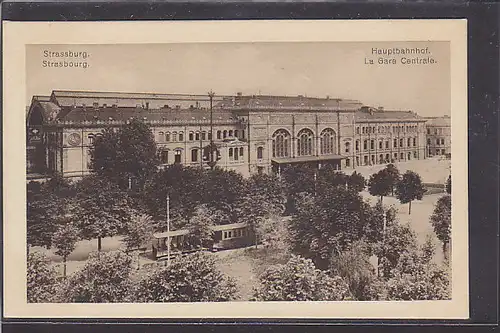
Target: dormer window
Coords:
[(96, 105)]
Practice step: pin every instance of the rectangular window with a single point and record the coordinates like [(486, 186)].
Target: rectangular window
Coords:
[(194, 155), (387, 145), (395, 143), (260, 153), (164, 156), (190, 136), (401, 143), (241, 151), (167, 137), (365, 145), (197, 137), (203, 136), (181, 137), (380, 145), (230, 152)]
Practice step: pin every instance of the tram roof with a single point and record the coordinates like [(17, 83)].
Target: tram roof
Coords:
[(228, 226), (171, 233)]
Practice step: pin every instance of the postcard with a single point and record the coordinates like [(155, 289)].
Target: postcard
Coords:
[(236, 169)]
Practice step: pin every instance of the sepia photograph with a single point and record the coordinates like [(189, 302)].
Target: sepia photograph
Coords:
[(241, 172)]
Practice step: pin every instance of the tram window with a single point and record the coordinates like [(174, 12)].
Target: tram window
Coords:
[(225, 234), (229, 234)]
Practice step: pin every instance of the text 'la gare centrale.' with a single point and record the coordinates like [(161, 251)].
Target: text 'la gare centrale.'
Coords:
[(400, 55)]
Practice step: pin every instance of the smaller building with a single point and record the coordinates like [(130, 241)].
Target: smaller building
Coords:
[(438, 136)]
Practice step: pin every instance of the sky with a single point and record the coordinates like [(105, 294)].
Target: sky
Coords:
[(316, 69)]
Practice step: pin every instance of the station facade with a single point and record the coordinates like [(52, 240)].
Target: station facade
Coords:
[(253, 134)]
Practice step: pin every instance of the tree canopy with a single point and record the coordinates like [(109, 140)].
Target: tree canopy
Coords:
[(194, 278), (299, 280), (105, 278), (101, 210), (441, 219), (41, 279), (129, 151), (410, 188), (328, 223), (380, 184)]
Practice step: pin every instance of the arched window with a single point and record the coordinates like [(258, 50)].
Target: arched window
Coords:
[(260, 153), (91, 138), (409, 142), (365, 144), (372, 144), (235, 133), (197, 136), (230, 133), (181, 136), (414, 142), (203, 136), (381, 158), (191, 136), (357, 130), (380, 143), (219, 133), (357, 145), (327, 141), (161, 137), (305, 143), (167, 136), (230, 153), (387, 145), (347, 147), (174, 136), (224, 134), (178, 156), (281, 143), (164, 157), (401, 143)]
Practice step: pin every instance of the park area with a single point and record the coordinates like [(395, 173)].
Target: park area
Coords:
[(246, 264)]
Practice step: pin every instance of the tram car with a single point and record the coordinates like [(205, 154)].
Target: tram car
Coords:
[(227, 236)]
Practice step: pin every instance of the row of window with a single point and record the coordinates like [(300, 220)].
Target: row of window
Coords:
[(439, 141), (410, 142), (235, 153), (386, 129), (436, 131), (197, 136), (237, 233), (386, 158)]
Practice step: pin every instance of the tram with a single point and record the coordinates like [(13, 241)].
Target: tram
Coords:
[(227, 236)]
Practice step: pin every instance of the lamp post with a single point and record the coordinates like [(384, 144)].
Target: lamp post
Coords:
[(168, 229), (211, 162)]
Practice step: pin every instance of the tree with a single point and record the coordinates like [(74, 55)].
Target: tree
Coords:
[(101, 210), (356, 182), (328, 224), (224, 189), (441, 221), (105, 278), (399, 239), (328, 177), (200, 233), (193, 278), (448, 185), (64, 240), (380, 184), (127, 152), (46, 205), (354, 267), (297, 179), (394, 175), (271, 188), (299, 280), (138, 233), (410, 188), (186, 188), (41, 279), (416, 277)]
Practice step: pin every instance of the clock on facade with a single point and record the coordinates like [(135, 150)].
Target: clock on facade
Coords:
[(74, 139)]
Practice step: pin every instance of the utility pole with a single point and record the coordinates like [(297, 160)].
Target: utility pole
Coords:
[(211, 162), (168, 229)]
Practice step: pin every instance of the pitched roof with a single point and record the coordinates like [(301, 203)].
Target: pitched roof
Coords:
[(371, 114)]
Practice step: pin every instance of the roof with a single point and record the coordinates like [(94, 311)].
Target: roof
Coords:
[(371, 114), (171, 233), (301, 159), (228, 226), (289, 102), (439, 121), (104, 114)]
